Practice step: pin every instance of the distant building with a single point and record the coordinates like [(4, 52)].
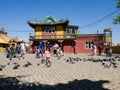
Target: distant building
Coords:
[(5, 40), (67, 36)]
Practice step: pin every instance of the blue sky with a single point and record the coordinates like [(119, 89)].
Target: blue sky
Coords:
[(14, 15)]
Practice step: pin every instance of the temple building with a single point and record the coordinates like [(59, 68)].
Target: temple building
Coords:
[(67, 36)]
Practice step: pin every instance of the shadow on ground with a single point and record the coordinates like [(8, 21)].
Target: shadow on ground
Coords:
[(12, 83)]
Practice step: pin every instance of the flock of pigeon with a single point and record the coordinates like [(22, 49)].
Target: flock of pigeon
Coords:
[(16, 65), (106, 62)]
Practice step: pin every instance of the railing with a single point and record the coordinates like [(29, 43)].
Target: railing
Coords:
[(41, 37)]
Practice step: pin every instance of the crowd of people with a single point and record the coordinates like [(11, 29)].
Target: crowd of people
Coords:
[(57, 51), (16, 51), (99, 48), (20, 50)]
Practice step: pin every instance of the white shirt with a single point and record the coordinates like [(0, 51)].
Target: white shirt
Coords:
[(22, 45)]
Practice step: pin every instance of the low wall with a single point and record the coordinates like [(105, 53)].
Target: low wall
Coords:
[(116, 49), (2, 49)]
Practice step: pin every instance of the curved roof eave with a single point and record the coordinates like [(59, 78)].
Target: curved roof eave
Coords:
[(33, 24)]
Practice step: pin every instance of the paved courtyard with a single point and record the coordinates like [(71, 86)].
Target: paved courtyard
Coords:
[(84, 72)]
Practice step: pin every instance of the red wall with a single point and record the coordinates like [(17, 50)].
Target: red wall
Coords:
[(67, 46), (80, 44)]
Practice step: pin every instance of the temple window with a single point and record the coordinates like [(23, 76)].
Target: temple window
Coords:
[(67, 30), (49, 29), (107, 33), (89, 44), (73, 31)]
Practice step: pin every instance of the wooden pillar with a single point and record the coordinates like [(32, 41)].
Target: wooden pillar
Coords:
[(61, 43), (75, 48), (44, 44)]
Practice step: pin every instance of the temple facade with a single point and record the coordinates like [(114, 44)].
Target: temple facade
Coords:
[(67, 36)]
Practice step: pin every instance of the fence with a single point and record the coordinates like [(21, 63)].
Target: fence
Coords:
[(116, 49)]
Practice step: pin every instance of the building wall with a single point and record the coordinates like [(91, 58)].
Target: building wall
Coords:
[(80, 41), (116, 49), (3, 47), (81, 44), (67, 47), (59, 31), (108, 39), (38, 31)]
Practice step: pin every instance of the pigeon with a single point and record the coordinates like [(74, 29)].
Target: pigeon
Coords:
[(10, 59), (114, 65), (119, 59), (104, 60), (71, 60), (2, 66), (38, 64), (67, 60), (8, 63), (77, 59), (16, 66), (103, 64), (1, 69), (107, 66), (58, 58), (116, 56), (27, 64), (15, 63), (18, 58)]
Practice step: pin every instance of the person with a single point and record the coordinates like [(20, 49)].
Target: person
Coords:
[(57, 51), (99, 49), (47, 56), (34, 49), (48, 46), (73, 45), (55, 48), (108, 51), (9, 52), (22, 48), (18, 48), (41, 47), (38, 53), (60, 53), (94, 49)]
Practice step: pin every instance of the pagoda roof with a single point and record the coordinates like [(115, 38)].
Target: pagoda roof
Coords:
[(6, 39), (49, 20), (72, 26)]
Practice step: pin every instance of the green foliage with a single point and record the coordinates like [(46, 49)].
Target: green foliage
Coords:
[(78, 32), (117, 19), (118, 4)]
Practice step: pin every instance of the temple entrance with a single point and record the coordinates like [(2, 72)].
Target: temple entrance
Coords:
[(69, 46)]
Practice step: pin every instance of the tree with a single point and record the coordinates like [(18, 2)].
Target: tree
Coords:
[(117, 19), (118, 4)]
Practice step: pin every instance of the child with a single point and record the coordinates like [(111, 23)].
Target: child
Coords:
[(60, 54), (47, 56)]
